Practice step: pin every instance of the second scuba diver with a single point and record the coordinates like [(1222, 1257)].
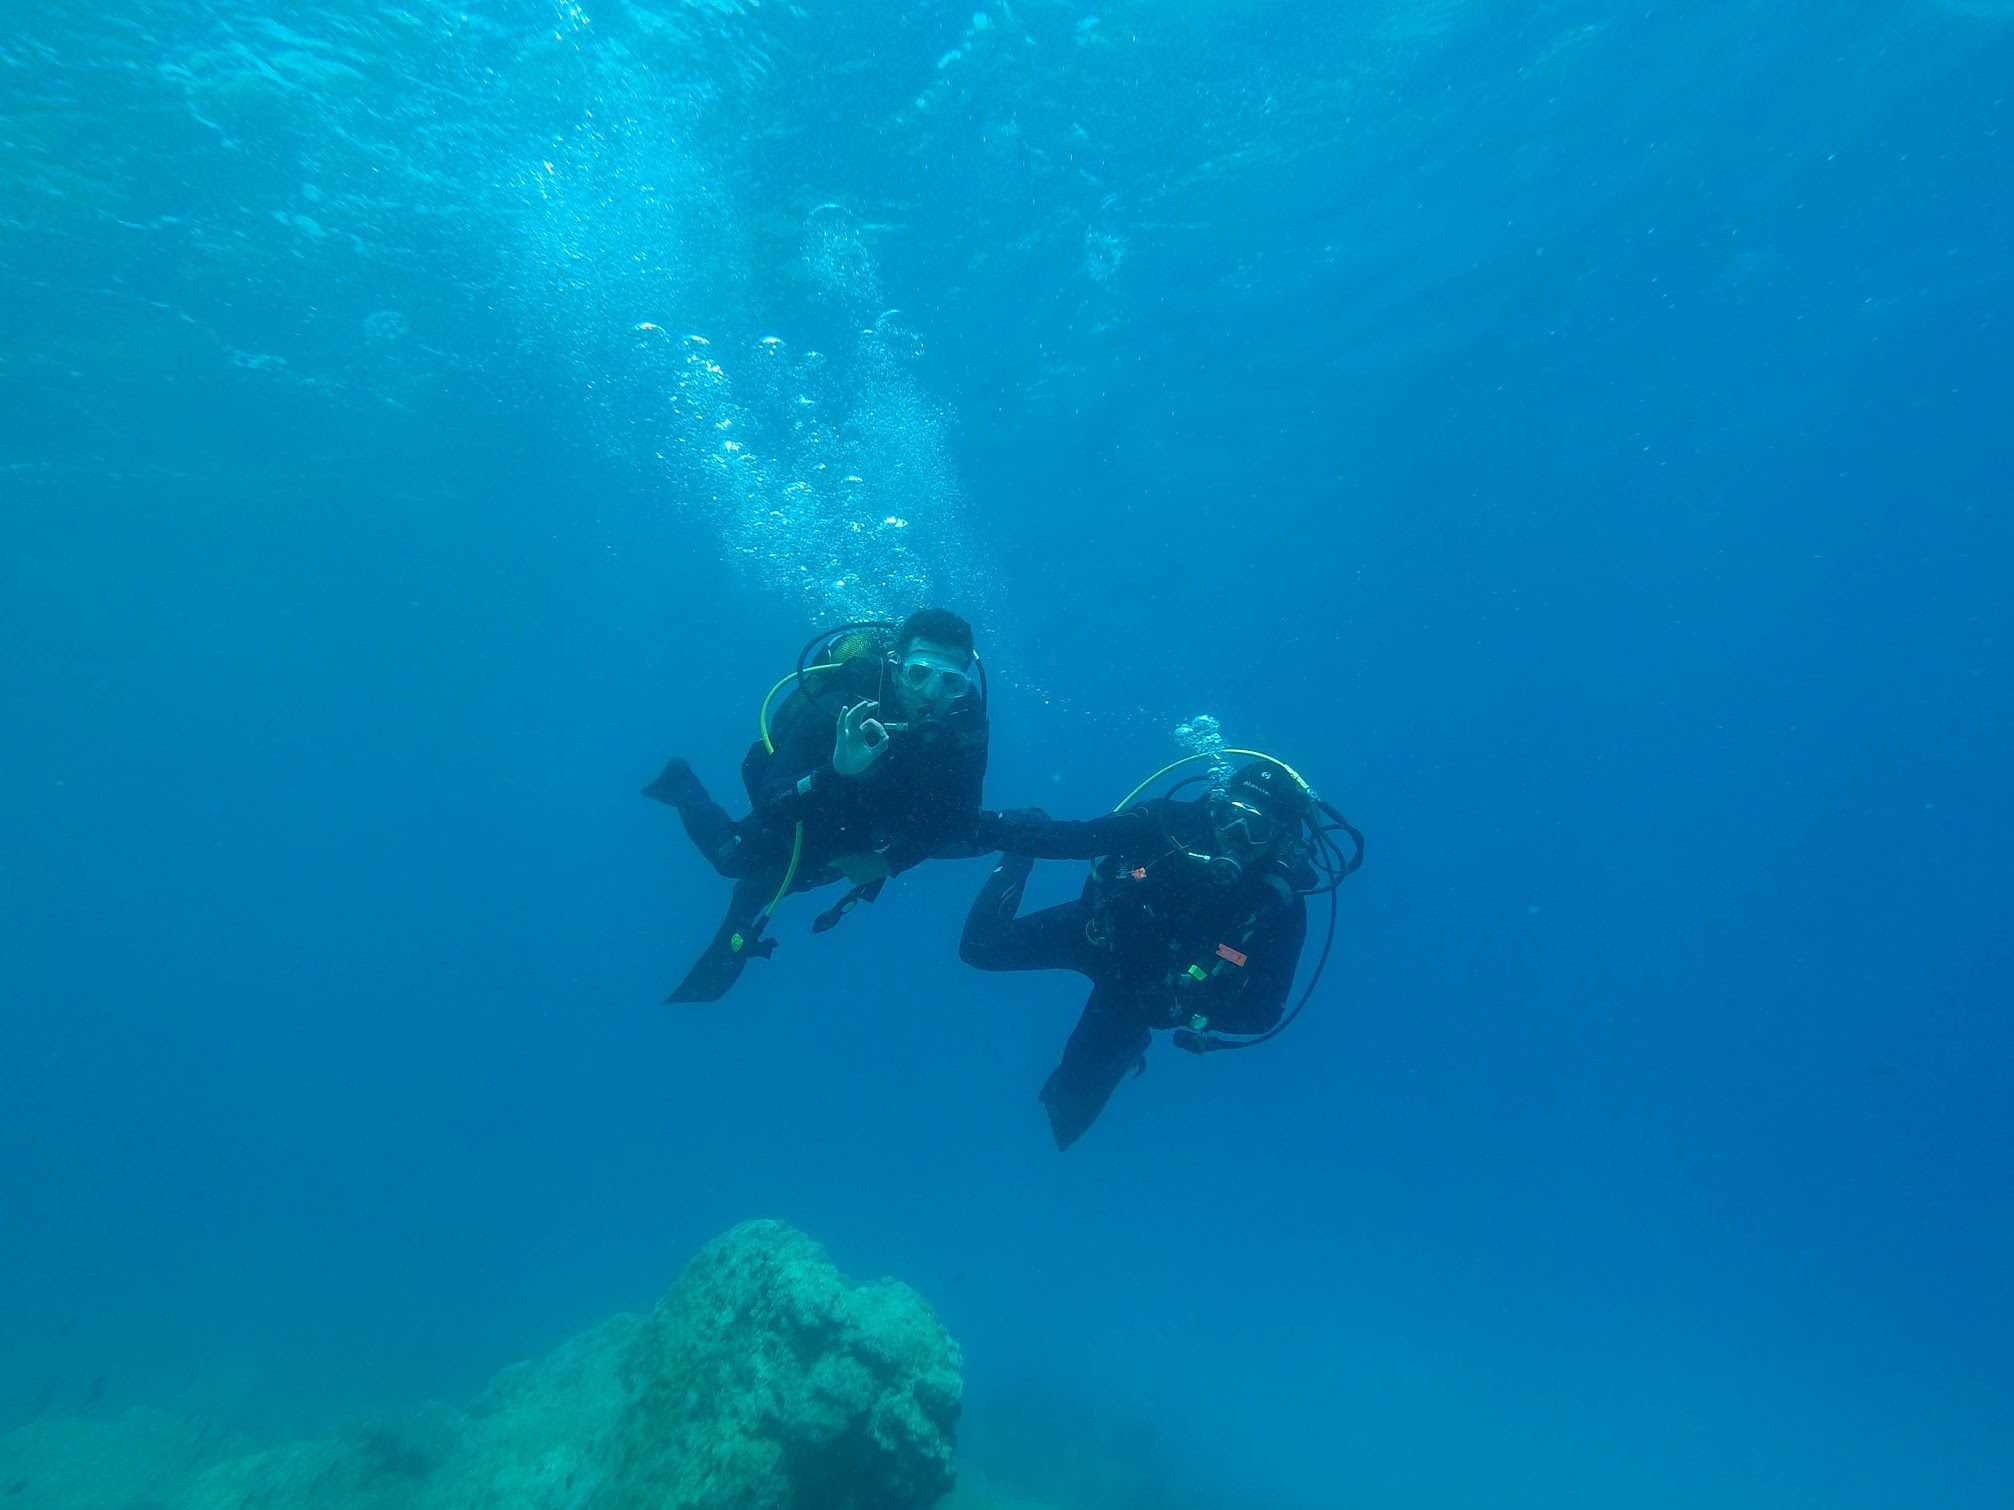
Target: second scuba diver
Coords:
[(1192, 919), (874, 763)]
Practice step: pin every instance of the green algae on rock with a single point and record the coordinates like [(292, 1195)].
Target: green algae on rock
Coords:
[(764, 1380), (766, 1377)]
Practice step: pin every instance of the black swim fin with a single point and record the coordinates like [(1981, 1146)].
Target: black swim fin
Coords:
[(739, 939), (716, 971), (675, 785)]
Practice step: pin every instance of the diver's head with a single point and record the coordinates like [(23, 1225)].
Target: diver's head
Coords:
[(1260, 812), (932, 665)]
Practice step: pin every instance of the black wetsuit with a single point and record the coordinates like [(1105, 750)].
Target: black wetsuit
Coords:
[(921, 796), (1162, 940)]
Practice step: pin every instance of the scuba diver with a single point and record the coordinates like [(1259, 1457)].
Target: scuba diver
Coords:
[(872, 764), (1192, 919)]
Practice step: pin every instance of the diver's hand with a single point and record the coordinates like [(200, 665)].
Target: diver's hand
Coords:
[(861, 741)]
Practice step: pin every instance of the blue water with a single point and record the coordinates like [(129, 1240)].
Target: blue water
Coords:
[(1578, 436)]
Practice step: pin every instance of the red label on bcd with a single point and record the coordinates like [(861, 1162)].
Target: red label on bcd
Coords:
[(1225, 951)]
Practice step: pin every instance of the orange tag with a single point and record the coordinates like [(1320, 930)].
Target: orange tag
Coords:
[(1225, 951), (1140, 873)]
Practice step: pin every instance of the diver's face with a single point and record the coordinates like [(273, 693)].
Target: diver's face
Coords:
[(1243, 831), (932, 678)]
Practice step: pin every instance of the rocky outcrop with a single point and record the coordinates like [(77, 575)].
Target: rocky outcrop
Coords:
[(765, 1380)]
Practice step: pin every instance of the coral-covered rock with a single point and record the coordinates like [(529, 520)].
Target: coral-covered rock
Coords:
[(139, 1457), (765, 1380)]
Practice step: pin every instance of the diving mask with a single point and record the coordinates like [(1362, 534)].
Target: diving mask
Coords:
[(1242, 824), (934, 678)]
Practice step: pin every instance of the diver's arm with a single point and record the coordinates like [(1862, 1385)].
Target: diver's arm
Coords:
[(945, 823), (1030, 831), (799, 769)]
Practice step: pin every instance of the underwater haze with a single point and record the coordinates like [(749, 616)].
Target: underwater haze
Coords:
[(1575, 435)]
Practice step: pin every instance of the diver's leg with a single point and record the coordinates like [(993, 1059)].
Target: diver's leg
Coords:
[(995, 938), (731, 848), (738, 937), (1110, 1039)]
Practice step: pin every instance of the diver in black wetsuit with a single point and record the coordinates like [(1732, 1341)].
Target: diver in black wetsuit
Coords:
[(1193, 919), (873, 764)]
